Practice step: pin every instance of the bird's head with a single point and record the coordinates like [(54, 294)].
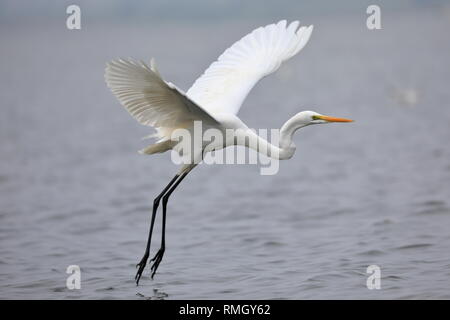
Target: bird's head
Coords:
[(303, 119), (306, 118)]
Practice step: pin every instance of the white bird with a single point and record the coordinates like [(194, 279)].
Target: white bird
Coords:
[(214, 99)]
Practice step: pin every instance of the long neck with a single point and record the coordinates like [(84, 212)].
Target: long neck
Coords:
[(284, 150), (287, 132)]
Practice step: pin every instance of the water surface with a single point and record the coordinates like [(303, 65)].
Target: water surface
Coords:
[(73, 189)]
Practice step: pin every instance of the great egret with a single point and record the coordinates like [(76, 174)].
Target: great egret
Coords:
[(214, 99)]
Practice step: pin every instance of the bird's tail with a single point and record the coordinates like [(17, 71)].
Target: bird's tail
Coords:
[(159, 147)]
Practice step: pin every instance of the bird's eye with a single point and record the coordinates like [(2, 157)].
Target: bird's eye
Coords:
[(314, 117)]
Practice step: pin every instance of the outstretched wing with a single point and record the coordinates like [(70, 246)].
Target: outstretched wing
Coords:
[(227, 82), (148, 98)]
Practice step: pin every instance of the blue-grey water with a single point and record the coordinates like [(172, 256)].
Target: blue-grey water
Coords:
[(74, 190)]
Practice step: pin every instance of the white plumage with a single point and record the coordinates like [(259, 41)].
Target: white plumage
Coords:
[(221, 89), (214, 99), (227, 82), (151, 100)]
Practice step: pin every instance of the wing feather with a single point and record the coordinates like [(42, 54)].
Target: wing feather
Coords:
[(149, 99), (226, 83)]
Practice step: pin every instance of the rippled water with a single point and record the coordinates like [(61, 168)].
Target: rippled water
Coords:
[(73, 190)]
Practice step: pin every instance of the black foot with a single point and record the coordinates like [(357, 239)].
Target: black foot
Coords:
[(141, 265), (157, 258)]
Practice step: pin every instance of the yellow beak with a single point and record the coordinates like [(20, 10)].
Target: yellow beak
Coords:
[(333, 119)]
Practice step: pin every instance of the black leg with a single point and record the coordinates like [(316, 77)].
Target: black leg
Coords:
[(141, 265), (159, 255)]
